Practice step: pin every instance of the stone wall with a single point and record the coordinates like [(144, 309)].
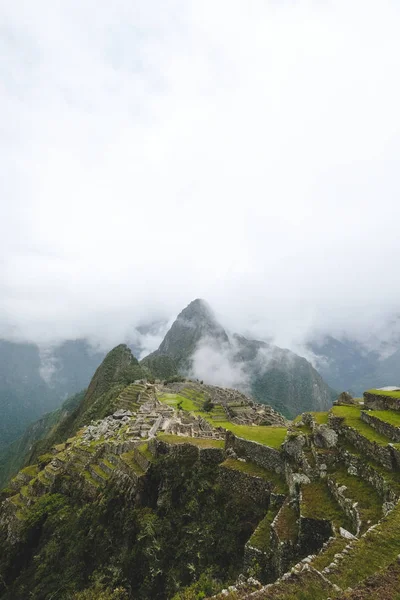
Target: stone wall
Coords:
[(377, 402), (381, 454), (390, 431), (245, 485), (359, 467), (347, 505), (264, 456), (313, 534)]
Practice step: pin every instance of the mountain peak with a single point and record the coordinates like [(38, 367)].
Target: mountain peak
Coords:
[(194, 323)]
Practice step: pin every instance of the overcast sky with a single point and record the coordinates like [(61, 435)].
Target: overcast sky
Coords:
[(157, 151)]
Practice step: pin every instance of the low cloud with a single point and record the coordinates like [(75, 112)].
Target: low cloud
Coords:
[(149, 159)]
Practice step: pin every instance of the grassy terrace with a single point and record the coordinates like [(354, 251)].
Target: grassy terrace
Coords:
[(388, 416), (286, 523), (129, 459), (320, 417), (384, 393), (352, 418), (269, 436), (369, 502), (390, 477), (317, 503), (324, 558), (261, 537), (378, 549), (200, 442), (144, 449), (253, 469)]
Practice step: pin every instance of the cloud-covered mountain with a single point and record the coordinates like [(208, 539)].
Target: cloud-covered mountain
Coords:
[(200, 347)]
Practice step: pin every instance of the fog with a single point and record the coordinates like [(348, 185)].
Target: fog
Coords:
[(155, 152)]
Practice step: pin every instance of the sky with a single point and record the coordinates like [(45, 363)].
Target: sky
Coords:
[(157, 151)]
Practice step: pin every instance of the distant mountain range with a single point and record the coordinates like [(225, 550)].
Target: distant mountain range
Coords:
[(34, 381), (349, 365)]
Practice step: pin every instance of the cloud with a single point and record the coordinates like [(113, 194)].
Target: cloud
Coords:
[(157, 152), (215, 363)]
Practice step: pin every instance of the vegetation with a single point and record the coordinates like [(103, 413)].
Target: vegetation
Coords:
[(318, 503), (261, 538), (388, 416), (351, 415), (200, 442), (393, 394)]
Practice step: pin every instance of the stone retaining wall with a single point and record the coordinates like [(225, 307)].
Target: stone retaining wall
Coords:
[(390, 431), (377, 402), (362, 469), (263, 456), (245, 485), (381, 454), (348, 506)]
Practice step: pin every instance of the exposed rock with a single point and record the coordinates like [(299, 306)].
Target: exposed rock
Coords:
[(325, 437), (345, 398)]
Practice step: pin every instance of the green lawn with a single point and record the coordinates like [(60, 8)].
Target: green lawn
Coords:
[(318, 503), (369, 502), (384, 393), (320, 417), (253, 469), (267, 435), (388, 416), (174, 399), (262, 535), (352, 418), (201, 442)]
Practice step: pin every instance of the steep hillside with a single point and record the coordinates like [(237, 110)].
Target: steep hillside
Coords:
[(272, 375), (184, 493)]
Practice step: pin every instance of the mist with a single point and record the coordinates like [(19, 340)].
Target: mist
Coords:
[(157, 152)]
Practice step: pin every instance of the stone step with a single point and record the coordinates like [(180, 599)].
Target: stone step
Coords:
[(359, 500), (107, 466), (385, 422), (98, 473)]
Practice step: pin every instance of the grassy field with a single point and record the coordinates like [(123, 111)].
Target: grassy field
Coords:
[(384, 393), (318, 503), (352, 418), (200, 442), (388, 416), (253, 469), (267, 435)]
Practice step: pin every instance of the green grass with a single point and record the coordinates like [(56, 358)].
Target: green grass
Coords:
[(129, 459), (31, 471), (384, 393), (269, 436), (352, 418), (144, 449), (324, 558), (200, 442), (286, 523), (320, 417), (388, 416), (252, 469), (375, 551), (318, 503), (266, 435), (174, 399), (100, 472), (369, 502), (90, 479), (261, 537)]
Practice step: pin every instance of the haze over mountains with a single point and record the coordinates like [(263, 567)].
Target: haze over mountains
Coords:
[(35, 380)]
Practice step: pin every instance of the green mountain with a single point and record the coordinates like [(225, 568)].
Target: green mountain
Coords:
[(272, 375), (185, 490)]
